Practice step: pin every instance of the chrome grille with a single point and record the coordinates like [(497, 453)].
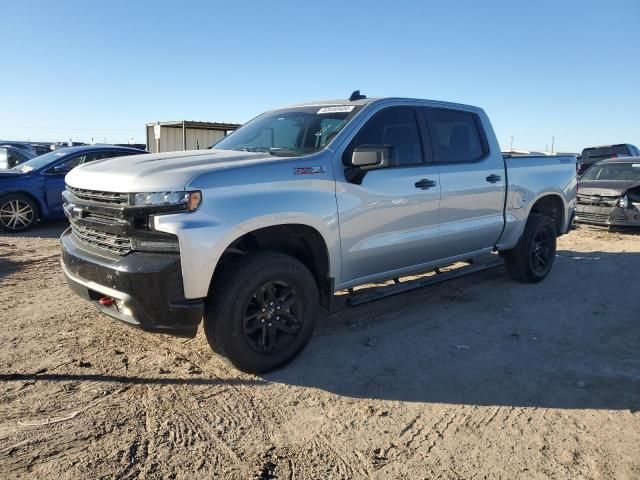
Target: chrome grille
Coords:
[(107, 241), (112, 198)]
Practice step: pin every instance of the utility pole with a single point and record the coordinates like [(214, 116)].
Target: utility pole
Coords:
[(553, 141), (511, 146)]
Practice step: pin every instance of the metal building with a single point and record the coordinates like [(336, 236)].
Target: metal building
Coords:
[(185, 135)]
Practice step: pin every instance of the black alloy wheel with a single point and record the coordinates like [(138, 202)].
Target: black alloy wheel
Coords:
[(543, 250), (261, 310), (272, 317)]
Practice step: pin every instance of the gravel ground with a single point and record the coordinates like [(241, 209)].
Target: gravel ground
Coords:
[(478, 377)]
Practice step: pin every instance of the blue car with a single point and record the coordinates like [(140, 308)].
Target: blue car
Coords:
[(32, 191)]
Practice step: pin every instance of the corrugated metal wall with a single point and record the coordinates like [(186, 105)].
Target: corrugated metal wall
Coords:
[(171, 138), (199, 137)]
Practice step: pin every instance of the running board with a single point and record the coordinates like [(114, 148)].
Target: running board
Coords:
[(377, 293)]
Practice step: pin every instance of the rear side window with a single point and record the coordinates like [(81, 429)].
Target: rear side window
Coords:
[(396, 128), (456, 135)]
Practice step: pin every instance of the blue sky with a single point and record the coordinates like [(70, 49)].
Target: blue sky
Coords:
[(83, 69)]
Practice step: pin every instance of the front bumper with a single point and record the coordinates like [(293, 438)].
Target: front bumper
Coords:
[(146, 288), (608, 216)]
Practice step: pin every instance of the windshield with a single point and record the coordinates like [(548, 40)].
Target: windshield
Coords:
[(613, 171), (290, 132), (41, 161)]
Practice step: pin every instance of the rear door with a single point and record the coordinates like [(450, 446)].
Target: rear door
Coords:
[(389, 222), (472, 180)]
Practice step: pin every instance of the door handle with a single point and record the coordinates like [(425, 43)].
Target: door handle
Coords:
[(493, 178), (425, 184)]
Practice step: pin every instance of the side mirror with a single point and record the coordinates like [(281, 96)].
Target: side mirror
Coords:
[(370, 157), (365, 158), (59, 170)]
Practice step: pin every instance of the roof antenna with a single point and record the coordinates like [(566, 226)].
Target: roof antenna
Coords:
[(356, 96)]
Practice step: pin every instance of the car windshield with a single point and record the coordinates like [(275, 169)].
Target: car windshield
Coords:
[(41, 161), (613, 171), (291, 131)]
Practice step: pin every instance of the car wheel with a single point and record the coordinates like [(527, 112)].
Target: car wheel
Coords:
[(261, 311), (17, 213), (531, 260)]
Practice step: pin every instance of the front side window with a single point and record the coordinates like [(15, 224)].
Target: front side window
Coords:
[(396, 128), (455, 135), (290, 131), (70, 163)]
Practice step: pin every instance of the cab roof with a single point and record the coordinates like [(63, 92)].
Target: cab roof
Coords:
[(368, 101)]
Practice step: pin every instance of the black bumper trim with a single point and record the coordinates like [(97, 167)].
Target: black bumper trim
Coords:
[(148, 287)]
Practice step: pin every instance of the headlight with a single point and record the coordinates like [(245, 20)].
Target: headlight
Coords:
[(189, 201), (624, 202)]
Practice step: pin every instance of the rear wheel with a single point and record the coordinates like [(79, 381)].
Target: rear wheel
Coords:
[(261, 311), (531, 260), (17, 213)]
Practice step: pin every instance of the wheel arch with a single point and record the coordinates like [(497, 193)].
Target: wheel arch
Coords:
[(301, 241), (552, 205)]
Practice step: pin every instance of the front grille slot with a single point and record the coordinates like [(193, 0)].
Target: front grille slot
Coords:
[(593, 217), (107, 241), (99, 218), (597, 200), (111, 198)]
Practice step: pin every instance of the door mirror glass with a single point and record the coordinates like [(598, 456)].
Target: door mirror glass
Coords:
[(370, 156)]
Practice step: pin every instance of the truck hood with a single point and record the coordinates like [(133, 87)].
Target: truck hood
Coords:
[(606, 188), (171, 171)]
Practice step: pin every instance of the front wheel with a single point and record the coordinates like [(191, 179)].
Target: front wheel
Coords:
[(17, 213), (531, 260), (261, 311)]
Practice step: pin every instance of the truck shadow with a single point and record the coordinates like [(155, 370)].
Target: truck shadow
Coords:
[(568, 342)]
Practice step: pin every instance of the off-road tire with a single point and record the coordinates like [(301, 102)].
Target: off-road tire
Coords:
[(8, 203), (232, 291), (520, 261)]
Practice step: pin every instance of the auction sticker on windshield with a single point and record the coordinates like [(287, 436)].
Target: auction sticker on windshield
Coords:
[(337, 109)]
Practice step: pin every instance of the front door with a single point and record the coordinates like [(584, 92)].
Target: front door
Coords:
[(390, 221)]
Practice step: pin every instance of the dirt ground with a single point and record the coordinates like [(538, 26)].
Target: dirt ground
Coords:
[(479, 377)]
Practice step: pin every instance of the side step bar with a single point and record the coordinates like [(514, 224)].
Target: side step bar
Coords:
[(377, 293)]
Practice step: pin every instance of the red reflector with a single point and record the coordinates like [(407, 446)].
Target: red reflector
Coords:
[(106, 301)]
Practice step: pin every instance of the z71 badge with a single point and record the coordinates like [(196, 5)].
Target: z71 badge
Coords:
[(308, 170)]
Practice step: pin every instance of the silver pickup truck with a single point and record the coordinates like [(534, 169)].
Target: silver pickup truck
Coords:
[(259, 232)]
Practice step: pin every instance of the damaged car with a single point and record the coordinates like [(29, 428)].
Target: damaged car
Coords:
[(609, 193)]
